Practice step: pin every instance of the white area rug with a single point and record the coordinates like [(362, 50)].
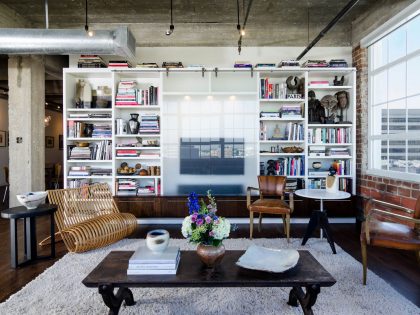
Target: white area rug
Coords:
[(59, 289)]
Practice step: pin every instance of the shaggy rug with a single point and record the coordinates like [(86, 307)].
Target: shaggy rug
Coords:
[(59, 289)]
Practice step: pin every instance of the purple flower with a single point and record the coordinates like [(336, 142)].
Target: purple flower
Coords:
[(194, 217), (208, 219), (200, 222), (211, 233)]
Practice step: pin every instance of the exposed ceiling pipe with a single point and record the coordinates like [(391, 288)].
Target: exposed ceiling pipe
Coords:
[(330, 25), (20, 41)]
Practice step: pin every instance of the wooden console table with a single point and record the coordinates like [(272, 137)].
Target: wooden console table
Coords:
[(112, 273)]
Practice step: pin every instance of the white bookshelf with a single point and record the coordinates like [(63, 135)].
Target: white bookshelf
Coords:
[(193, 84)]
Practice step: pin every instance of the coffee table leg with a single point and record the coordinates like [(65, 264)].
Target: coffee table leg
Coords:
[(114, 301), (306, 300)]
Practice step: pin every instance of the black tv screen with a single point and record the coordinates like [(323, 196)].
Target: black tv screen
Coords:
[(204, 156)]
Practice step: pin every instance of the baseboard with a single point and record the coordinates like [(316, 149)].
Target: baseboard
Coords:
[(244, 220)]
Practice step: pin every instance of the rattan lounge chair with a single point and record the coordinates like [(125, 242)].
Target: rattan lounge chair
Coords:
[(88, 218)]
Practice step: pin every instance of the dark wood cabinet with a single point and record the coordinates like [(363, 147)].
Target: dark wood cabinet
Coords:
[(228, 206)]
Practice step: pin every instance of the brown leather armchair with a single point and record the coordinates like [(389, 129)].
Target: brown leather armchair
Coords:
[(389, 229), (270, 186)]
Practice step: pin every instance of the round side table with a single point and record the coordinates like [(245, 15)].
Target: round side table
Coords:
[(319, 217)]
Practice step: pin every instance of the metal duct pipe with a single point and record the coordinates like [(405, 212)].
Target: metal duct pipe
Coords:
[(120, 42)]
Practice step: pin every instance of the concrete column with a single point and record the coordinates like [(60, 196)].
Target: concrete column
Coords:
[(26, 125)]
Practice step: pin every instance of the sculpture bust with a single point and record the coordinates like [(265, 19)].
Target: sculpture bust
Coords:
[(316, 112), (276, 133)]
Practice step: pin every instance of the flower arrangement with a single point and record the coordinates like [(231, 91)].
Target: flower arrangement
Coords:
[(203, 226)]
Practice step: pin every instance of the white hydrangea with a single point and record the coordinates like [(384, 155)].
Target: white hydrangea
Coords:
[(222, 229), (186, 227)]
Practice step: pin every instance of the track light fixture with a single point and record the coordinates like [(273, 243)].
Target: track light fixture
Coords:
[(89, 32), (171, 27)]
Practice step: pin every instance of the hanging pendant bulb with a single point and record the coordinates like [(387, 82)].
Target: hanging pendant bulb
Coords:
[(171, 27), (88, 31)]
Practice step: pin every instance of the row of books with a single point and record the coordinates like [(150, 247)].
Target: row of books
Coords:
[(272, 90), (291, 111), (119, 64), (78, 129), (344, 184), (290, 166), (146, 262), (102, 130), (95, 151), (321, 63), (90, 115), (149, 123), (320, 150), (77, 183), (294, 131), (329, 135), (91, 61)]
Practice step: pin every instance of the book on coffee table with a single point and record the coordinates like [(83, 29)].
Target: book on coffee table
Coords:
[(146, 262)]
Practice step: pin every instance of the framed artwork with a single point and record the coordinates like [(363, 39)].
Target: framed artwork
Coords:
[(60, 142), (3, 138), (49, 142)]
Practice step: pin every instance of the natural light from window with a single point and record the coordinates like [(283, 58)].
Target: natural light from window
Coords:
[(394, 103)]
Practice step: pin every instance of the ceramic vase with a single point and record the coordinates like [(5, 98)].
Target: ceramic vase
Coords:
[(210, 255), (157, 240), (133, 124)]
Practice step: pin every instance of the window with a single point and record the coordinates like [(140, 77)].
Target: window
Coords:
[(394, 103)]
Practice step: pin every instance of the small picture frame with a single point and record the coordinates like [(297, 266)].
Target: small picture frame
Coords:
[(60, 142), (3, 138), (49, 142)]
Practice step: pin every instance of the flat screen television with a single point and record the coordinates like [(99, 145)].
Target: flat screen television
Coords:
[(204, 156)]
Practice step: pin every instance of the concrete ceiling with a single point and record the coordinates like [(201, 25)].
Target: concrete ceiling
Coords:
[(202, 23)]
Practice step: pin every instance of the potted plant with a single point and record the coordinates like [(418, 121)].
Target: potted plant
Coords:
[(206, 229)]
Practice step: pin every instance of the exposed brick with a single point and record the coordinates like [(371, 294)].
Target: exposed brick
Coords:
[(408, 202), (404, 192), (380, 186), (415, 193), (415, 186), (392, 189), (392, 199)]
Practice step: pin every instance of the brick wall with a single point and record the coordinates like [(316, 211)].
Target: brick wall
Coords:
[(399, 192)]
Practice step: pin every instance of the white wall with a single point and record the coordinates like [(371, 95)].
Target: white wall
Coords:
[(226, 56), (55, 128), (4, 126)]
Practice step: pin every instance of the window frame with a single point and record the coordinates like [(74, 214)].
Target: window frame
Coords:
[(402, 136)]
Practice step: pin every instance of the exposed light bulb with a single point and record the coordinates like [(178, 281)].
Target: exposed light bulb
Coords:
[(170, 30), (91, 33), (243, 32)]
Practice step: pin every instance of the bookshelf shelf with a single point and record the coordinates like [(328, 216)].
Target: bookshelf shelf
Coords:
[(331, 144), (90, 119), (136, 158), (136, 177), (281, 119), (331, 157), (138, 135), (339, 88), (137, 148), (89, 161), (89, 110), (89, 177), (282, 141), (282, 154), (87, 138), (329, 125), (141, 107), (281, 100)]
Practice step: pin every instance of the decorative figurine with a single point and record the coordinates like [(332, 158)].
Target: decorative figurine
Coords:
[(329, 102), (271, 167), (316, 112), (83, 97), (338, 82), (332, 181), (343, 104), (276, 133)]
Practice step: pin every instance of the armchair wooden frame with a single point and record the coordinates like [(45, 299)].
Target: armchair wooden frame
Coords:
[(371, 210), (88, 218), (285, 216)]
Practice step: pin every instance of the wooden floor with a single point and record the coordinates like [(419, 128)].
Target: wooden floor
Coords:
[(398, 268)]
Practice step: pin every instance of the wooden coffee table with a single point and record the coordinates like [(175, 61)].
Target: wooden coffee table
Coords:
[(112, 273)]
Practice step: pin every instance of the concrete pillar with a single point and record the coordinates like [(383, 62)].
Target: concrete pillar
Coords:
[(26, 125)]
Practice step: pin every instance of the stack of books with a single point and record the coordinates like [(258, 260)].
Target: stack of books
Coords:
[(146, 262), (126, 93), (90, 61), (127, 153), (289, 64), (270, 114), (172, 64), (338, 63), (100, 171), (242, 64), (265, 65), (102, 130), (149, 123), (147, 65), (80, 153), (317, 150), (291, 111), (127, 187), (315, 64), (79, 171), (336, 151), (148, 190), (119, 64)]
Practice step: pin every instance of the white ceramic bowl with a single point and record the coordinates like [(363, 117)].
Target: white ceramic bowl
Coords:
[(32, 200), (157, 240)]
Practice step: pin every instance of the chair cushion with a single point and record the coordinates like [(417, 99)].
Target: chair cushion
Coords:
[(274, 206), (392, 235)]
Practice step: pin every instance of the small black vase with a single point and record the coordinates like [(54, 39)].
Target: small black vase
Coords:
[(133, 124)]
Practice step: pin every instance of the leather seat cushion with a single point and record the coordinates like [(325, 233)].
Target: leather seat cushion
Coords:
[(390, 234), (274, 206)]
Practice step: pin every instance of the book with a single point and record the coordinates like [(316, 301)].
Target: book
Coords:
[(143, 255), (172, 266)]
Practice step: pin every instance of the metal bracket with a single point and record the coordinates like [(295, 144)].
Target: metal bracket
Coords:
[(202, 71), (252, 71), (167, 72), (215, 71)]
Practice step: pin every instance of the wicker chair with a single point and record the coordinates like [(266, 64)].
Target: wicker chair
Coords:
[(88, 218)]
